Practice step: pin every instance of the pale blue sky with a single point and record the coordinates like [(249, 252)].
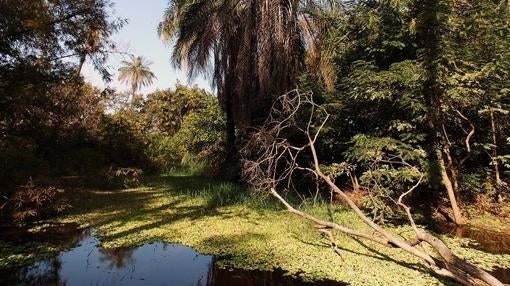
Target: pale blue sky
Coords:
[(140, 38)]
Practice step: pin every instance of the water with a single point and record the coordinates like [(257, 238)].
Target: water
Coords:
[(150, 264), (85, 263), (481, 239)]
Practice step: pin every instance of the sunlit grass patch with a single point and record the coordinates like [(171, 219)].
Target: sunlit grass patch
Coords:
[(251, 231), (254, 232)]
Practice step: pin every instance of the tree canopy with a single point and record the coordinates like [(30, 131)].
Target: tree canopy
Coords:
[(136, 73)]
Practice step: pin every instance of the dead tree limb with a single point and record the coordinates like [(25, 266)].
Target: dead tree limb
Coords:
[(467, 141), (270, 161)]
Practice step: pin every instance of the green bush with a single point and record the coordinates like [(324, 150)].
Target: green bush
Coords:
[(200, 140)]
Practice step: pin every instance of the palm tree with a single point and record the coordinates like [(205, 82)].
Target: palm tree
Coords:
[(137, 73), (252, 49)]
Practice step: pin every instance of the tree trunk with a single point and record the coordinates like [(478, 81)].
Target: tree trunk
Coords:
[(429, 37), (500, 185), (133, 93), (452, 169), (230, 127), (495, 148), (80, 65), (457, 214), (228, 95), (355, 183)]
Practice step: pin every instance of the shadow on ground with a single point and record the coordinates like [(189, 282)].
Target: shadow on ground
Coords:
[(224, 219)]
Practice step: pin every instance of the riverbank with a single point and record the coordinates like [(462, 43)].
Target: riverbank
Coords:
[(248, 231)]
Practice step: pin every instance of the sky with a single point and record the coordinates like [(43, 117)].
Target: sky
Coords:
[(139, 37)]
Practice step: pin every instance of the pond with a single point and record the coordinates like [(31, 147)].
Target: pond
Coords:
[(159, 263), (156, 263), (482, 239)]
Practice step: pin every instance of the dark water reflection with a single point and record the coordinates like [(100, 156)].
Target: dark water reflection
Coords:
[(503, 274), (151, 264), (482, 239), (53, 234)]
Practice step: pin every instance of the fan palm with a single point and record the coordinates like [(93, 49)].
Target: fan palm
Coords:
[(251, 49), (136, 73)]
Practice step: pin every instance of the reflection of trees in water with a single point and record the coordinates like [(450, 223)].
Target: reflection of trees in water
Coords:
[(49, 271), (481, 239), (238, 277), (211, 274), (117, 258), (46, 272), (65, 234)]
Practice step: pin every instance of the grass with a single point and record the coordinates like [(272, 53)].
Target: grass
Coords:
[(249, 231)]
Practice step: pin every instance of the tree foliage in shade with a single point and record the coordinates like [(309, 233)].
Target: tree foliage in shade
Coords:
[(39, 41), (47, 34), (423, 73), (46, 110), (251, 50)]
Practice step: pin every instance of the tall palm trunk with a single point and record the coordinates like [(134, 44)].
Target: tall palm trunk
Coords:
[(228, 89), (133, 92), (230, 129)]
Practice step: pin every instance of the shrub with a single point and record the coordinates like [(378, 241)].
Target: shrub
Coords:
[(18, 161), (31, 202), (124, 177), (200, 140)]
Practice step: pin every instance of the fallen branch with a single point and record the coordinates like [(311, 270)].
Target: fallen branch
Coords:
[(269, 160)]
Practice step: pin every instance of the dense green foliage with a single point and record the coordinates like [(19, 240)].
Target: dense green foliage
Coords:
[(418, 93), (416, 86), (185, 127), (57, 130)]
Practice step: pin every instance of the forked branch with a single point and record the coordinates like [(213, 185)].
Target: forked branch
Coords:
[(270, 161)]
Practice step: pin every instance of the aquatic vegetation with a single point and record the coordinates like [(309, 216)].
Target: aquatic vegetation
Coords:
[(15, 255), (248, 232)]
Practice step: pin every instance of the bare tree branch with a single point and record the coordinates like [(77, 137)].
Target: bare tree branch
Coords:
[(270, 159)]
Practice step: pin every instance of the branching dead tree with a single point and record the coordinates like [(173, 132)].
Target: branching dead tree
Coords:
[(270, 161)]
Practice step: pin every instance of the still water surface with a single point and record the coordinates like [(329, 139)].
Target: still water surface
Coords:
[(151, 264), (85, 263)]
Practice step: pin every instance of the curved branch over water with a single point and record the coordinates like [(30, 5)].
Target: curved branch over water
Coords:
[(269, 160)]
